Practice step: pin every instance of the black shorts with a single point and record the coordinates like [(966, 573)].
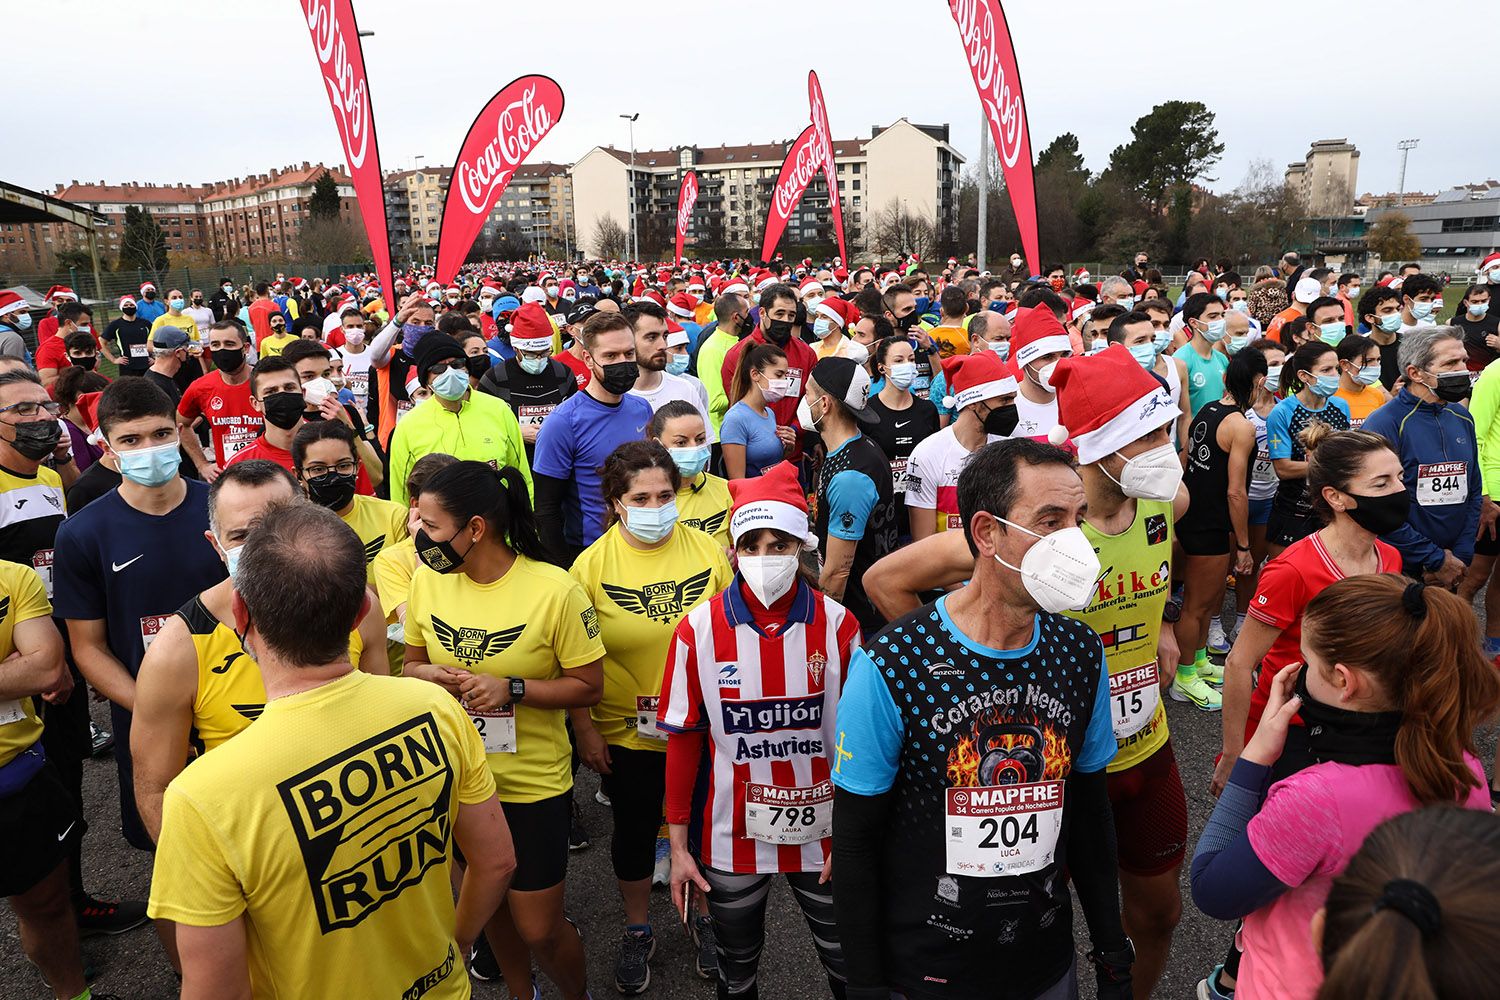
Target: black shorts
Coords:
[(1203, 541), (1287, 526), (1485, 545), (38, 826), (540, 833)]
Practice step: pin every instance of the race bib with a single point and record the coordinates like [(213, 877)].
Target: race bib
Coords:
[(1442, 484), (236, 441), (11, 711), (497, 729), (533, 414), (42, 563), (1003, 829), (358, 383), (1263, 471), (776, 815), (1133, 697), (795, 374), (898, 475), (139, 351), (645, 719), (151, 626)]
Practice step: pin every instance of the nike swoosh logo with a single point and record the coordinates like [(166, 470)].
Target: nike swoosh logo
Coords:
[(119, 566), (902, 423), (69, 830)]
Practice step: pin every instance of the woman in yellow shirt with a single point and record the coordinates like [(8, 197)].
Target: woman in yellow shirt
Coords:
[(516, 640), (643, 574), (703, 499), (1359, 378)]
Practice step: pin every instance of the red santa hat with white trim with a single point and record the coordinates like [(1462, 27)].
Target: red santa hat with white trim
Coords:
[(125, 300), (808, 285), (766, 280), (530, 329), (1036, 332), (62, 292), (676, 333), (11, 302), (1489, 269), (843, 312), (735, 285), (1079, 308), (1107, 400), (774, 500), (973, 378), (145, 285), (681, 304)]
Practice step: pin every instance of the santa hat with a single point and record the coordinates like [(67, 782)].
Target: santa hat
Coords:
[(544, 277), (1080, 274), (1079, 308), (973, 378), (766, 280), (1036, 332), (453, 290), (809, 285), (841, 311), (11, 302), (652, 295), (841, 274), (737, 286), (147, 285), (88, 408), (62, 292), (493, 289), (663, 275), (127, 301), (681, 304), (696, 285), (300, 284), (1107, 400), (676, 334), (530, 329), (1386, 282), (533, 294), (773, 500), (1489, 268)]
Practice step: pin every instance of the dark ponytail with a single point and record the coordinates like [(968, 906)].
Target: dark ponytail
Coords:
[(1239, 378), (466, 490)]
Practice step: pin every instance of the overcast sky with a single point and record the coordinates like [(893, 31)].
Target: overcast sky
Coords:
[(188, 90)]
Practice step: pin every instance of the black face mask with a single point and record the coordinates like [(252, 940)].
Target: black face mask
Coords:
[(1452, 387), (779, 332), (906, 322), (277, 331), (228, 359), (128, 313), (1346, 737), (283, 409), (332, 490), (479, 365), (1002, 420), (440, 557), (36, 439), (1380, 515), (619, 378), (87, 364)]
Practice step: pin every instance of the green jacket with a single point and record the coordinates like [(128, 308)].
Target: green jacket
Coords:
[(484, 430)]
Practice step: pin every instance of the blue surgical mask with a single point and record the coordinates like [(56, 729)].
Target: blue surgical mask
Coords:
[(1273, 378), (1001, 348), (902, 374), (1332, 333), (1143, 353), (1368, 375), (532, 366), (1391, 323), (155, 466), (175, 303), (1240, 306), (651, 524), (690, 461), (1479, 308), (677, 364), (1214, 330), (1097, 344), (452, 384), (23, 321), (1222, 292), (1237, 344), (822, 326), (232, 559), (1161, 340), (1422, 310), (1126, 302), (1324, 385)]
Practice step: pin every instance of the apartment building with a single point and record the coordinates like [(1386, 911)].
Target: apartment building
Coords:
[(1326, 178), (539, 199)]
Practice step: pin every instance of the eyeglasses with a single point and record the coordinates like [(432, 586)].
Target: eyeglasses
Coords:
[(31, 409), (345, 468)]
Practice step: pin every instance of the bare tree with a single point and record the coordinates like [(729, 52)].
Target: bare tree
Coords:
[(895, 230), (611, 242)]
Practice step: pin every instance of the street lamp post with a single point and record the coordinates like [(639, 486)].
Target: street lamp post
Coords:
[(635, 233)]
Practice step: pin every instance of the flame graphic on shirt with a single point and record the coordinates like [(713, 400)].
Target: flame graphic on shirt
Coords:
[(963, 759)]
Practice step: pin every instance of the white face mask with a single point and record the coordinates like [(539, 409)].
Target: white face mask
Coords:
[(856, 352), (769, 577), (1060, 571), (1043, 376), (1151, 475)]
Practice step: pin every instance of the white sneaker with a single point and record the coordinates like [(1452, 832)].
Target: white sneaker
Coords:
[(1218, 642), (601, 798)]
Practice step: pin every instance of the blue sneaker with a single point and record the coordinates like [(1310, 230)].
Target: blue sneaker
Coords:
[(1209, 989)]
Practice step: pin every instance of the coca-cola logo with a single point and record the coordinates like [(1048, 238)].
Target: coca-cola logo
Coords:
[(805, 164), (1002, 101), (685, 208), (347, 90), (518, 127)]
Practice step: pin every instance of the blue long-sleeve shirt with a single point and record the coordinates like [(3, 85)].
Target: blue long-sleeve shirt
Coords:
[(1440, 461)]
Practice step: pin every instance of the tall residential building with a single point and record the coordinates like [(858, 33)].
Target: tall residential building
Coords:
[(539, 199), (262, 216), (906, 166), (1326, 180)]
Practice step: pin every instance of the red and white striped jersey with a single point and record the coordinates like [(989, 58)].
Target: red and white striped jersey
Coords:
[(769, 704)]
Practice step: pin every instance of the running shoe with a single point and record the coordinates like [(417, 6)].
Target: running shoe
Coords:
[(578, 834), (482, 963), (1218, 642), (633, 968), (708, 954), (101, 740), (661, 875), (1211, 672), (1198, 692), (1208, 989), (601, 798), (109, 916)]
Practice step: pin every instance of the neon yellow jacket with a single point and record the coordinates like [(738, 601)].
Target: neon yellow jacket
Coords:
[(1484, 406), (484, 429)]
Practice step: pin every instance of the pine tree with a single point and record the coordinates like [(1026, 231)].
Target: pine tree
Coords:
[(325, 198), (144, 244)]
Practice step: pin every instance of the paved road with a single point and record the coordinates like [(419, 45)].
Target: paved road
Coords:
[(134, 966)]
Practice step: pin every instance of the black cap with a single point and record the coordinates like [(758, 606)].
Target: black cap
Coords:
[(848, 383), (580, 311), (432, 348)]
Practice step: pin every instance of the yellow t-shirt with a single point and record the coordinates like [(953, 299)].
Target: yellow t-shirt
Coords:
[(951, 340), (391, 573), (533, 623), (273, 345), (231, 694), (22, 598), (704, 504), (1364, 403), (328, 825), (185, 323), (379, 524), (640, 595)]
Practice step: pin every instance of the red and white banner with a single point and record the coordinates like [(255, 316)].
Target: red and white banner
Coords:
[(506, 131), (992, 60), (685, 199), (818, 111), (341, 60), (797, 172)]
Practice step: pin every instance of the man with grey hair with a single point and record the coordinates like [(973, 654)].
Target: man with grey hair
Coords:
[(1433, 433), (1115, 290), (348, 789)]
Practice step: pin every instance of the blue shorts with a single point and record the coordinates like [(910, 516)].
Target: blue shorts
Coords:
[(1260, 510)]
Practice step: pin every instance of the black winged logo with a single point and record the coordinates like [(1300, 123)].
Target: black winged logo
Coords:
[(4, 607), (473, 645), (708, 525), (372, 549), (663, 602), (223, 668), (251, 712)]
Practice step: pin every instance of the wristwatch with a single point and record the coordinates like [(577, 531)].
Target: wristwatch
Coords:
[(1115, 961), (517, 690)]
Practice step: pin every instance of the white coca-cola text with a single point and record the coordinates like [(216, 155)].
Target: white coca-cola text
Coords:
[(685, 204), (805, 163), (347, 89), (519, 127), (1000, 94)]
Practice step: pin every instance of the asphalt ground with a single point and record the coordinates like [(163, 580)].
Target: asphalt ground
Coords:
[(134, 966)]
